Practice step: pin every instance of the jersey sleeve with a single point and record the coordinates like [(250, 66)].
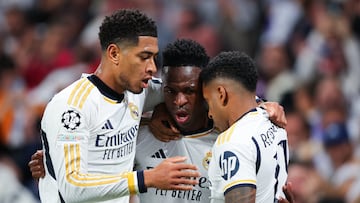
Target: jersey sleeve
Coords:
[(237, 162), (65, 133), (154, 94)]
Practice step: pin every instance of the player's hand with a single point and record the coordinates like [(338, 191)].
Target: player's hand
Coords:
[(36, 165), (172, 174), (287, 189), (162, 126), (276, 113)]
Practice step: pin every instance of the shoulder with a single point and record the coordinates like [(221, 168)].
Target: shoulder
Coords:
[(75, 97), (145, 136)]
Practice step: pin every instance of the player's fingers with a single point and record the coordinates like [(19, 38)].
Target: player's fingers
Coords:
[(187, 174), (184, 166), (38, 155), (287, 189), (176, 159), (182, 187), (281, 117), (283, 200), (37, 175), (185, 181), (165, 133), (173, 128)]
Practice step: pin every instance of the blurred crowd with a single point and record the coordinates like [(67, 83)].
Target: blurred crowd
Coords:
[(307, 52)]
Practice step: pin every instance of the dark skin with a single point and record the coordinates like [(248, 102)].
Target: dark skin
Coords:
[(183, 99)]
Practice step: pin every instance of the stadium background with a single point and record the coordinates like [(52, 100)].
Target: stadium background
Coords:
[(307, 52)]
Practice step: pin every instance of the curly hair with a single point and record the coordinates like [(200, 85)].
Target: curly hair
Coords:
[(124, 27), (232, 65), (185, 52)]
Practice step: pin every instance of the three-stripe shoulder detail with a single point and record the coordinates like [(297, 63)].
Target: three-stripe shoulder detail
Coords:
[(80, 93)]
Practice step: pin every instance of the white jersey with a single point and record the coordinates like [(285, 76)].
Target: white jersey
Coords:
[(253, 152), (89, 139), (197, 147)]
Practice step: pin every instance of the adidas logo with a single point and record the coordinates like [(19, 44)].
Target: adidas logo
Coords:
[(107, 125), (159, 154)]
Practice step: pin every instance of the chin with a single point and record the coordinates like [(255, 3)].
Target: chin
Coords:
[(136, 91)]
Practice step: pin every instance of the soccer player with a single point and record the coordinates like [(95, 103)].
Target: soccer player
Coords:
[(250, 156), (182, 62), (89, 129)]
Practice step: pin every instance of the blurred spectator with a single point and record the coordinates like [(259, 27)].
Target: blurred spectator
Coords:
[(281, 17), (192, 26), (239, 24), (308, 185), (11, 189), (20, 36), (13, 113), (51, 54), (301, 146), (275, 72), (330, 48), (345, 165), (308, 53)]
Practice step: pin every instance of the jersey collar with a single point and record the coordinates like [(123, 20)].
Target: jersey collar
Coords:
[(105, 90)]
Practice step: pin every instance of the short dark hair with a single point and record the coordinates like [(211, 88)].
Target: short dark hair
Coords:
[(185, 52), (232, 65), (126, 25)]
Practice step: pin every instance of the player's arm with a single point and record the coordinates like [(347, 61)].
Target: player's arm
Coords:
[(241, 195), (275, 110), (161, 124)]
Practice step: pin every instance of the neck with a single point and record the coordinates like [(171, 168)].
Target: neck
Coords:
[(103, 72), (207, 125), (240, 106)]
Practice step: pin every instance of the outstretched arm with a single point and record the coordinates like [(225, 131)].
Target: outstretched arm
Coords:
[(171, 174)]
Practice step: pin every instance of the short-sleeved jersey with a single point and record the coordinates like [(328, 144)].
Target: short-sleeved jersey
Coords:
[(197, 147), (89, 139), (253, 152)]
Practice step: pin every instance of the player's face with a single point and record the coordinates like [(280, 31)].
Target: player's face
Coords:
[(137, 64), (183, 97), (215, 111)]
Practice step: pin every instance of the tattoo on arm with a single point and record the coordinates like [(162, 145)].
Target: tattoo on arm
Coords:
[(241, 194)]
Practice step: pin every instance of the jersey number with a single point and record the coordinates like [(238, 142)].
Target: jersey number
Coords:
[(283, 146)]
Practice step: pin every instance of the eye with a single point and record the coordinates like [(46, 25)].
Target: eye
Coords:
[(169, 91), (145, 56), (189, 91)]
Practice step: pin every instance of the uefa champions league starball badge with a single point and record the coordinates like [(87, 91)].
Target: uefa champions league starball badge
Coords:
[(70, 119)]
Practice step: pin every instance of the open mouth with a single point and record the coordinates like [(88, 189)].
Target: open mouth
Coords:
[(181, 117), (145, 83)]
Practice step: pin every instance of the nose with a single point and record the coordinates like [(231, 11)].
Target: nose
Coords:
[(151, 67), (180, 99)]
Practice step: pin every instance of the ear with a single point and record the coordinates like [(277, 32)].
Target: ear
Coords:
[(222, 95), (113, 53)]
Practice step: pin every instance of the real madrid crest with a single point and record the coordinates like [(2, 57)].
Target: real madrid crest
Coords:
[(70, 119), (134, 111), (206, 160)]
